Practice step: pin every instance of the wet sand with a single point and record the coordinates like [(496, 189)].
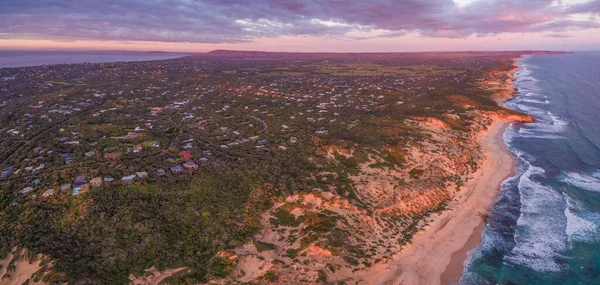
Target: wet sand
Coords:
[(455, 269), (437, 253)]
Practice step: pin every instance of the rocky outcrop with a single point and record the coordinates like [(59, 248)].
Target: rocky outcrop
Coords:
[(510, 115)]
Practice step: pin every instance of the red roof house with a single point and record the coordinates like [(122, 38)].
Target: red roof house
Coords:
[(112, 155), (186, 155)]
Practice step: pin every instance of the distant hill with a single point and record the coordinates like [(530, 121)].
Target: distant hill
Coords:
[(287, 55)]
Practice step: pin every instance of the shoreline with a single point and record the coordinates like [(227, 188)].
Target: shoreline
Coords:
[(454, 270), (437, 253), (445, 243), (495, 139)]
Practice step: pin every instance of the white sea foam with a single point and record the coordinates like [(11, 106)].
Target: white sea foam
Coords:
[(538, 134), (586, 182), (533, 100), (541, 238), (509, 135), (578, 228), (558, 121), (542, 130), (548, 125), (530, 109), (531, 94)]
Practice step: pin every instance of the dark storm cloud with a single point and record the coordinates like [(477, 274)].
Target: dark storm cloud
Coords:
[(227, 21)]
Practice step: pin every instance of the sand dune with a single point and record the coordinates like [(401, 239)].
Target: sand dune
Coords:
[(437, 253)]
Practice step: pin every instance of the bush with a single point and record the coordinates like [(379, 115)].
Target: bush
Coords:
[(262, 246), (269, 276)]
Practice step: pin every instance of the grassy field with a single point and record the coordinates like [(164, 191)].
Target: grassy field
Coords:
[(374, 69), (351, 69)]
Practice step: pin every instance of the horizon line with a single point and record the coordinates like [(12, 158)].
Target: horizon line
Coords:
[(299, 52)]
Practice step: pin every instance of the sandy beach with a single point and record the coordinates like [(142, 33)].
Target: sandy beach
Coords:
[(437, 253)]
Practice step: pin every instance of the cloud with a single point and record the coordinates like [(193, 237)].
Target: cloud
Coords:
[(232, 21), (592, 7), (558, 36)]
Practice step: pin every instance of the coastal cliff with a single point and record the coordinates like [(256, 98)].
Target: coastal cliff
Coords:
[(301, 171), (393, 202)]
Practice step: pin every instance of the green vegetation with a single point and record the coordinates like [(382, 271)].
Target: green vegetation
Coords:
[(145, 226), (416, 173), (257, 131), (292, 253), (283, 217), (262, 246), (269, 276), (322, 276), (376, 69)]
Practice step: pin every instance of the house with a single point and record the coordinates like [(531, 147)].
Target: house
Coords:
[(80, 180), (40, 167), (80, 185), (48, 193), (160, 172), (65, 187), (7, 171), (203, 159), (137, 148), (176, 169), (108, 180), (190, 165), (128, 179), (263, 142), (96, 182), (90, 153), (186, 155), (132, 135), (26, 190), (156, 144), (112, 155), (81, 189), (68, 157), (142, 174), (293, 139)]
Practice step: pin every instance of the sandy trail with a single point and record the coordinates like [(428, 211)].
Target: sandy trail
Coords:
[(437, 253), (23, 270)]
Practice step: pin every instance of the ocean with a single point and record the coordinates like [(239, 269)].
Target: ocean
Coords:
[(544, 227), (34, 58)]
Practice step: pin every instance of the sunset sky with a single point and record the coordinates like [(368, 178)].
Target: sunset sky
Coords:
[(301, 25)]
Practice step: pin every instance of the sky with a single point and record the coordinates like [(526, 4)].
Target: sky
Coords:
[(300, 25)]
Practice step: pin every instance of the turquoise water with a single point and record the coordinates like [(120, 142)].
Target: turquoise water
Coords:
[(544, 227), (33, 58)]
